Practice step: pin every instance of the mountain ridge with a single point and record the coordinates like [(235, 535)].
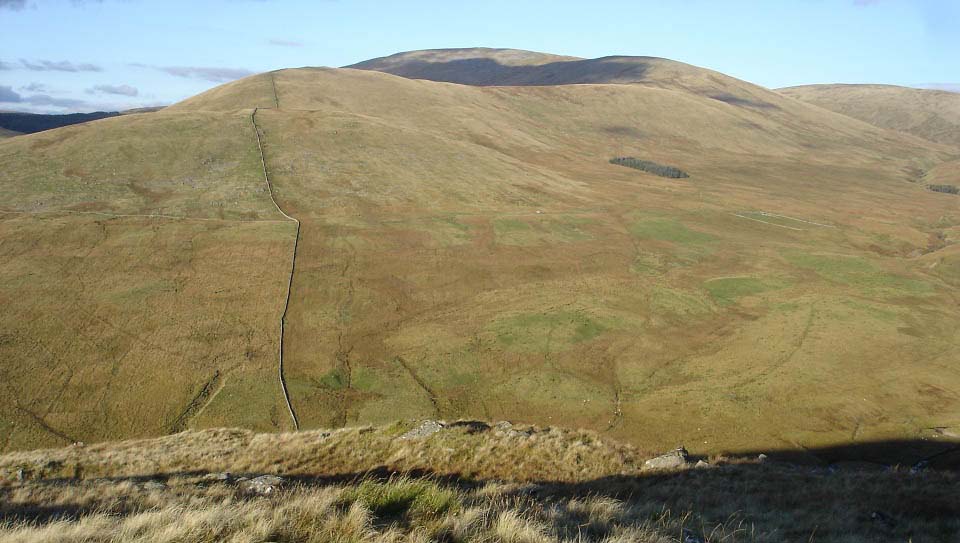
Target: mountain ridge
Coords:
[(927, 113)]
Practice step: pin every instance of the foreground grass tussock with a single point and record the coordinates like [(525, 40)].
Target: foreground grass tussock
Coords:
[(397, 509), (466, 481), (466, 449)]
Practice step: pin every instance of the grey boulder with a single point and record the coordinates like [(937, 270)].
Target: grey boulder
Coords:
[(674, 459)]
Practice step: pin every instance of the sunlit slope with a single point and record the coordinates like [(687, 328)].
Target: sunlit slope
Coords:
[(945, 173), (469, 251), (196, 165), (930, 114), (243, 94), (142, 269)]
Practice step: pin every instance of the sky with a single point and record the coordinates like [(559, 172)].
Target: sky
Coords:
[(59, 56)]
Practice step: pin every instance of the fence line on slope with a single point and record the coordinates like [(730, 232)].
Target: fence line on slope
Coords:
[(293, 266)]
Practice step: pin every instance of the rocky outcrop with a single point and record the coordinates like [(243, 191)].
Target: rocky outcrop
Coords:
[(263, 485), (674, 459), (426, 429)]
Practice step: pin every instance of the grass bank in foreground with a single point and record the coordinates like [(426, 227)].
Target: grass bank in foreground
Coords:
[(464, 481)]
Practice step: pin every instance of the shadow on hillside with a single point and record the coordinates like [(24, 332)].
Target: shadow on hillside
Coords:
[(489, 72), (906, 479), (934, 453)]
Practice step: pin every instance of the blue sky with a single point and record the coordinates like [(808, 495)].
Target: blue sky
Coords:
[(84, 55)]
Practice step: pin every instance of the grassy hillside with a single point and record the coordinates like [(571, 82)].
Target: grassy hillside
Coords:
[(944, 173), (470, 252), (139, 280), (930, 114), (466, 481), (4, 133)]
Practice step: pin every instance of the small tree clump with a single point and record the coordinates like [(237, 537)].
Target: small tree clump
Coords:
[(650, 167), (949, 189)]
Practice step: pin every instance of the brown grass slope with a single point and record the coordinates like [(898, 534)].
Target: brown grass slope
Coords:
[(469, 252), (139, 279), (466, 482), (930, 114)]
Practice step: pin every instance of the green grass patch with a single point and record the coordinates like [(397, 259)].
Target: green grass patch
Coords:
[(679, 302), (859, 272), (334, 379), (143, 291), (247, 400), (569, 228), (402, 496), (647, 263), (448, 231), (874, 311), (542, 332), (506, 226), (364, 379), (727, 290), (542, 230), (668, 230)]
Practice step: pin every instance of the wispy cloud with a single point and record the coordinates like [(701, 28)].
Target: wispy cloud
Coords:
[(35, 87), (123, 90), (14, 5), (9, 96), (865, 3), (18, 5), (59, 66), (206, 73), (6, 65), (47, 100), (285, 43)]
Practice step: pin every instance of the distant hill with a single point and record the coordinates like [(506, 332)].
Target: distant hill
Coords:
[(477, 66), (930, 114), (4, 133), (28, 123), (511, 67)]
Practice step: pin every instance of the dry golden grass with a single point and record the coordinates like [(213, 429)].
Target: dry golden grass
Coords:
[(470, 252), (930, 114), (123, 513), (467, 449), (138, 326), (340, 487)]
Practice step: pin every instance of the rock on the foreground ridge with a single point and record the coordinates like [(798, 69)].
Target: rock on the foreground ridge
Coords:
[(673, 459)]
